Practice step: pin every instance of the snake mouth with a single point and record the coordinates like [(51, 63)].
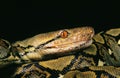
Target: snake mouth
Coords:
[(75, 44), (67, 48)]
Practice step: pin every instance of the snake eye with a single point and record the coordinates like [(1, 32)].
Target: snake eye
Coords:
[(4, 48), (64, 34)]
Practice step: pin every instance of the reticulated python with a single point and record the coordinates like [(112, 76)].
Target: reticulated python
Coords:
[(67, 53)]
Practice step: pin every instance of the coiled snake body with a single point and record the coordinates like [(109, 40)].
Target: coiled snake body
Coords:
[(67, 53)]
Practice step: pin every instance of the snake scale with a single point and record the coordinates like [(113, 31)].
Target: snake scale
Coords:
[(66, 53)]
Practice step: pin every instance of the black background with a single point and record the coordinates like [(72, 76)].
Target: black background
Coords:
[(21, 19)]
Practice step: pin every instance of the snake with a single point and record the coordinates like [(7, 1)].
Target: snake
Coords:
[(66, 53)]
